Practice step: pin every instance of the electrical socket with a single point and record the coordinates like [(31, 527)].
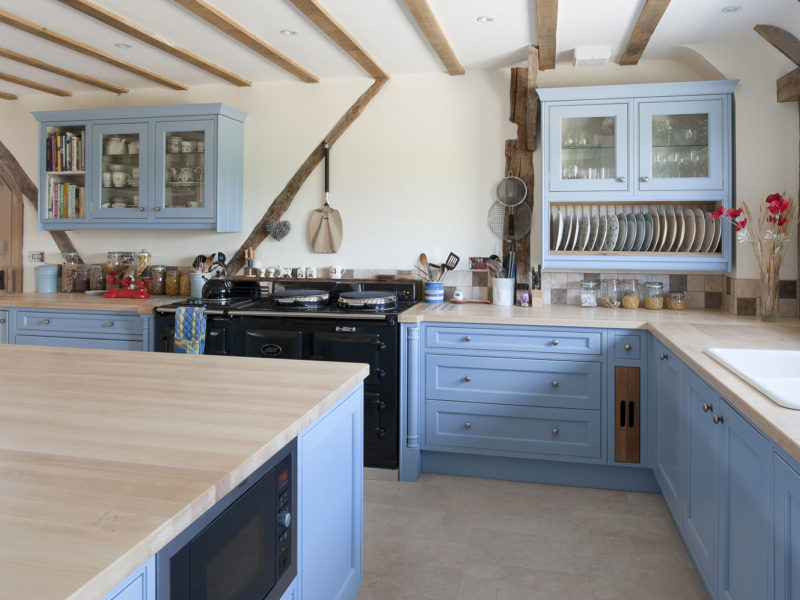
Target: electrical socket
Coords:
[(36, 256)]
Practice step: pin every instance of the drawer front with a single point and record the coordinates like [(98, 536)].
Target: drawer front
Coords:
[(627, 346), (551, 431), (77, 342), (515, 340), (555, 383), (56, 323)]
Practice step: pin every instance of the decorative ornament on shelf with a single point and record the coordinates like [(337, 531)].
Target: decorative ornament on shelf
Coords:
[(767, 235)]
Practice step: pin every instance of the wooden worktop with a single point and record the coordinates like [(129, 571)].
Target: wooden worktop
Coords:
[(687, 333), (60, 300), (105, 456)]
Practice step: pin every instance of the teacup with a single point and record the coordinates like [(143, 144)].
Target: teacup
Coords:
[(133, 147), (115, 168), (134, 176), (120, 178), (188, 146), (107, 179), (337, 271), (185, 174), (174, 144), (201, 146)]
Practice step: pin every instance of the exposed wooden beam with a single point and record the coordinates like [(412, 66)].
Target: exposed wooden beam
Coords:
[(76, 46), (546, 21), (423, 14), (283, 200), (533, 98), (789, 86), (785, 42), (6, 96), (34, 85), (330, 27), (230, 27), (648, 21), (27, 60), (148, 37)]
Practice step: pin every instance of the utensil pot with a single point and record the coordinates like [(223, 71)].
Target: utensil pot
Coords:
[(503, 291)]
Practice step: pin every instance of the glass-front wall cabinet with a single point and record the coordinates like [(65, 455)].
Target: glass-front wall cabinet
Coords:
[(593, 149), (680, 145), (122, 166)]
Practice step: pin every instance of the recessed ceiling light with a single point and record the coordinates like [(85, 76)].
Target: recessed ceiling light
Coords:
[(123, 45), (485, 19), (732, 8), (288, 32)]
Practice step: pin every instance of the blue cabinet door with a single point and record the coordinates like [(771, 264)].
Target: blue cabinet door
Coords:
[(786, 499), (120, 171), (4, 327), (670, 459), (703, 478), (330, 496), (745, 509), (141, 585)]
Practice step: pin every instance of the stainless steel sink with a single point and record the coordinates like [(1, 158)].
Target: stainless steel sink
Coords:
[(774, 373)]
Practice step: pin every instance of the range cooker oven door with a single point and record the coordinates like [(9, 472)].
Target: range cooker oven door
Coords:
[(219, 335), (271, 343)]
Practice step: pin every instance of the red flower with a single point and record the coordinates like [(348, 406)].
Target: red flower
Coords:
[(778, 206), (771, 219), (773, 197), (781, 221), (739, 225), (733, 213), (720, 210)]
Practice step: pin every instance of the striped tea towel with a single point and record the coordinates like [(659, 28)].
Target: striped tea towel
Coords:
[(190, 330)]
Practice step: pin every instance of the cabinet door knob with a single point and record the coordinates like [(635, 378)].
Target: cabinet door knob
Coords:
[(554, 383), (45, 321), (555, 431), (141, 209), (623, 179), (108, 324), (627, 347), (157, 208), (554, 342), (467, 425), (718, 419), (2, 321), (664, 356), (707, 407), (645, 179), (467, 338), (467, 379)]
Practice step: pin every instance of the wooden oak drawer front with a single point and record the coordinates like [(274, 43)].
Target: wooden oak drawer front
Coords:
[(555, 383), (514, 340), (60, 323), (627, 346), (513, 428)]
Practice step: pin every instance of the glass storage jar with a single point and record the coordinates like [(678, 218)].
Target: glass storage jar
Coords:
[(70, 260), (157, 285), (609, 293), (172, 283), (653, 295), (676, 300), (142, 261), (630, 293), (588, 297), (185, 283), (97, 279), (80, 278)]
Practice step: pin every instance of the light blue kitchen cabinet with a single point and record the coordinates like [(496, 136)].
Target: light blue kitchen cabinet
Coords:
[(786, 507), (4, 327), (141, 585), (291, 591), (330, 497), (179, 167)]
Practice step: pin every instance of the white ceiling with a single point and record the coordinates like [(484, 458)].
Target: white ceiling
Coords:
[(383, 27)]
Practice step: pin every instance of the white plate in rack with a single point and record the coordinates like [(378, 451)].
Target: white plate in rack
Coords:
[(603, 232), (672, 231), (583, 234), (575, 232), (640, 232), (622, 236), (630, 240), (708, 239), (568, 230), (717, 234), (594, 232), (559, 229), (654, 218), (662, 216), (648, 232), (612, 234), (700, 229), (688, 237)]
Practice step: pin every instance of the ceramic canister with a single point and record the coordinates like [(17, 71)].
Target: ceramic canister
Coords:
[(434, 292), (46, 279)]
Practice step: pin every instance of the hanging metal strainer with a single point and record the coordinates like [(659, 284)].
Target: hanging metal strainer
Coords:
[(510, 223), (511, 191)]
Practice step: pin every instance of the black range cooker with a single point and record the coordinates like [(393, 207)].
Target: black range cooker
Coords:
[(316, 320)]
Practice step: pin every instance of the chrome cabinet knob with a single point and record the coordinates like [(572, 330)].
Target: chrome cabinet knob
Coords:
[(718, 419), (467, 425), (2, 321), (555, 431), (108, 324), (554, 342), (645, 179), (157, 208), (554, 383), (627, 347), (707, 407), (664, 356), (467, 338), (623, 179), (45, 321), (467, 379), (141, 209)]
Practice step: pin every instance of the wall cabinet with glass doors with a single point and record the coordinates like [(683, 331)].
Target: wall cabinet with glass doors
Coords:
[(631, 174), (154, 167)]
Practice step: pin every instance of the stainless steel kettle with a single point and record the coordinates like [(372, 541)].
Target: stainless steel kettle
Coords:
[(218, 287)]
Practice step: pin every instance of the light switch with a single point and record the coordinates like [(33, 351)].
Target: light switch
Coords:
[(36, 256)]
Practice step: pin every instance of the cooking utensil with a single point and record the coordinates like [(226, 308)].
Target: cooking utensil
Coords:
[(325, 224), (511, 191), (509, 223), (451, 262), (423, 260), (209, 262), (442, 271)]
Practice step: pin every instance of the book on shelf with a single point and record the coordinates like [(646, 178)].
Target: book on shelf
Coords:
[(65, 200), (65, 152)]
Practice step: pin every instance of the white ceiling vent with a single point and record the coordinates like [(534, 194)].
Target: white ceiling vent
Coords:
[(591, 56)]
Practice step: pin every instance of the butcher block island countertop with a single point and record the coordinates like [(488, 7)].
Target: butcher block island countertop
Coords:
[(105, 456), (64, 301)]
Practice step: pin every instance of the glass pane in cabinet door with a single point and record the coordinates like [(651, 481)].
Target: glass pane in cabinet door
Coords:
[(120, 171), (183, 165), (588, 149), (680, 146)]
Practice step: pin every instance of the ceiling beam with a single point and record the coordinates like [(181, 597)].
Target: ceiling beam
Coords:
[(546, 22), (785, 42), (148, 37), (649, 18), (6, 96), (27, 60), (423, 14), (226, 25), (330, 27), (76, 46), (36, 86), (789, 87)]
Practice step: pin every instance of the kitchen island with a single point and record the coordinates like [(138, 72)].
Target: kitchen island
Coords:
[(106, 456)]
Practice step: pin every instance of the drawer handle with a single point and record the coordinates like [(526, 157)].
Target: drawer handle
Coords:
[(467, 379), (554, 383), (157, 209), (555, 431), (664, 356), (467, 338), (141, 209), (467, 425), (627, 347), (645, 179), (554, 342), (108, 324), (622, 179), (707, 407), (718, 419), (45, 321)]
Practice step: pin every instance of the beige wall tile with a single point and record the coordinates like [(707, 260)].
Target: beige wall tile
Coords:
[(558, 280), (546, 295), (715, 283), (695, 299), (787, 307), (573, 295), (574, 278), (695, 283), (746, 288)]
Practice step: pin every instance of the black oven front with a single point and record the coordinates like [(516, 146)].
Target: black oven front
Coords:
[(244, 547)]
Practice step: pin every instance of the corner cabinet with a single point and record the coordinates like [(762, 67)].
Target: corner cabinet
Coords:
[(631, 174), (153, 167)]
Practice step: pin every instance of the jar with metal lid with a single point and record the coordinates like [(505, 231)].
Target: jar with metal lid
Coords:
[(80, 278), (172, 282), (588, 296), (653, 295), (71, 258), (630, 293), (157, 285), (609, 293), (185, 282), (97, 279), (142, 261), (676, 300)]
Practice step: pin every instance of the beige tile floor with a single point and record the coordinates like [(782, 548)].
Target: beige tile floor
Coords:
[(459, 538)]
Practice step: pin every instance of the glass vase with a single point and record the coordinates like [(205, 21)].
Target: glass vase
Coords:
[(769, 294)]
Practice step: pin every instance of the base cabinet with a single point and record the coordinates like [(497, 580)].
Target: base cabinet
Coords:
[(786, 505), (141, 585)]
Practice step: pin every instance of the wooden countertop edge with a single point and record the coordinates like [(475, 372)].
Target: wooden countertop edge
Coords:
[(121, 568), (67, 301)]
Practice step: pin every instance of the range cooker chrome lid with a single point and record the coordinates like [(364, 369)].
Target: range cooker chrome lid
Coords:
[(300, 297), (368, 299)]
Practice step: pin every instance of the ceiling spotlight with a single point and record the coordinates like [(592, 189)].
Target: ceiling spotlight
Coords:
[(485, 19), (123, 45), (732, 8), (288, 32)]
